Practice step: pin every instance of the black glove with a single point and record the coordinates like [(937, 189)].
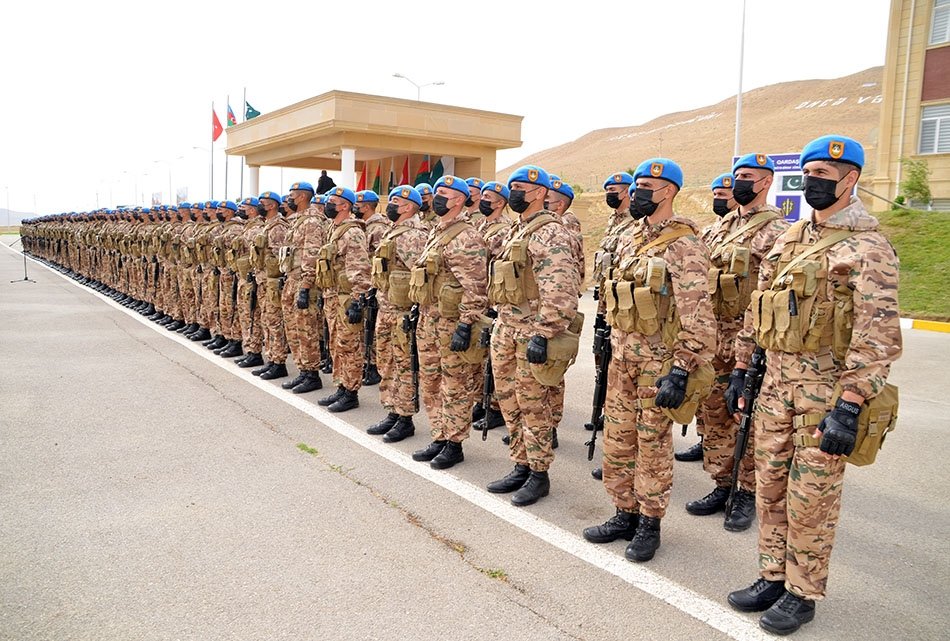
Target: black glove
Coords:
[(597, 293), (537, 351), (840, 428), (672, 388), (600, 321), (462, 338), (250, 277), (303, 299), (734, 392), (354, 313), (491, 313)]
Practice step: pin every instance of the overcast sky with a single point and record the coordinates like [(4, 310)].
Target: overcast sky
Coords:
[(101, 97)]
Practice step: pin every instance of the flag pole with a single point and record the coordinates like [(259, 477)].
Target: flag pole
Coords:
[(227, 117), (211, 162), (739, 93), (242, 157)]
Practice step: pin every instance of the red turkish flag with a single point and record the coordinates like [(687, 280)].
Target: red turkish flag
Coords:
[(404, 176), (361, 185), (216, 128)]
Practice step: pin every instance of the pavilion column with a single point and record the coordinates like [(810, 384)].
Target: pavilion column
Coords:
[(255, 176), (348, 167)]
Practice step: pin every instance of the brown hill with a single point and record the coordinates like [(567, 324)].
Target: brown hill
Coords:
[(775, 119)]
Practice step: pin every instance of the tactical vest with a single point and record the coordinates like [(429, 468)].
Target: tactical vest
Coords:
[(262, 260), (389, 278), (795, 314), (639, 292), (604, 257), (730, 284), (431, 282), (511, 280), (329, 276)]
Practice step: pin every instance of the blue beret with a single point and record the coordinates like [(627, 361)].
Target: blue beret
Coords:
[(475, 181), (303, 186), (343, 192), (185, 205), (272, 195), (285, 198), (722, 181), (253, 202), (620, 178), (663, 168), (424, 189), (496, 187), (562, 187), (146, 210), (228, 204), (172, 208), (323, 199), (367, 196), (530, 174), (754, 161), (453, 182), (314, 200), (408, 192), (834, 148)]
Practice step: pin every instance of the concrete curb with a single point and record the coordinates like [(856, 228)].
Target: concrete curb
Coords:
[(930, 326)]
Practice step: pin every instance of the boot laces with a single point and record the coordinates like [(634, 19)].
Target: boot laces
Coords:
[(789, 603)]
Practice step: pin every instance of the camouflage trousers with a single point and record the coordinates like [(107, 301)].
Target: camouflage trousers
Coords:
[(252, 335), (719, 428), (386, 320), (525, 403), (638, 441), (272, 320), (229, 323), (208, 312), (302, 326), (399, 389), (798, 489), (346, 342), (448, 385), (186, 293)]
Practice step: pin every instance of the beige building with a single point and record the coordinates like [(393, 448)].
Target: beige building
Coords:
[(365, 136), (915, 115)]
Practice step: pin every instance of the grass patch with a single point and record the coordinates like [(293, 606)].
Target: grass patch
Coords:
[(922, 241), (312, 451), (494, 573)]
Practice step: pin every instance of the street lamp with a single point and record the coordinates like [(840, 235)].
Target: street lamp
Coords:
[(417, 85)]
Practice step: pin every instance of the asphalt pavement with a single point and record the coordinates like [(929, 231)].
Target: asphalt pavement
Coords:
[(149, 490)]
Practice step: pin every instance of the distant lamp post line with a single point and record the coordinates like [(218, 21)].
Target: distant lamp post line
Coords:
[(417, 85), (739, 94)]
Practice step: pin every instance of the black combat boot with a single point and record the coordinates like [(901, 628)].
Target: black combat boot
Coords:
[(429, 452), (224, 347), (511, 481), (598, 473), (450, 455), (349, 401), (713, 502), (263, 368), (175, 325), (230, 350), (149, 310), (326, 366), (692, 453), (185, 327), (202, 334), (311, 382), (156, 315), (506, 439), (217, 342), (403, 429), (332, 398), (384, 425), (537, 487), (788, 614), (277, 370), (646, 541), (622, 525), (165, 319), (759, 596), (494, 418), (371, 375), (743, 511), (294, 382), (253, 359), (554, 442), (478, 412)]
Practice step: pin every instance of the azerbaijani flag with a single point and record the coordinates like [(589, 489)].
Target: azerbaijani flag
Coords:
[(231, 119)]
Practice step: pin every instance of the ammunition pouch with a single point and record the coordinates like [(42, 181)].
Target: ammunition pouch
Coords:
[(562, 352), (698, 387)]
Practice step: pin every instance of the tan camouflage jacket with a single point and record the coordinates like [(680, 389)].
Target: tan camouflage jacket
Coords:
[(307, 234), (352, 259), (466, 257), (231, 236), (606, 255), (868, 265), (376, 227), (408, 247), (573, 227), (494, 233)]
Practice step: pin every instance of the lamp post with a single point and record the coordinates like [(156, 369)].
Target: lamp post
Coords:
[(417, 85)]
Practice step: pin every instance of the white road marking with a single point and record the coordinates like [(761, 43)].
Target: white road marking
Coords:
[(683, 599)]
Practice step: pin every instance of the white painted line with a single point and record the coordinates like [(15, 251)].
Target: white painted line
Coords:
[(683, 599), (907, 323)]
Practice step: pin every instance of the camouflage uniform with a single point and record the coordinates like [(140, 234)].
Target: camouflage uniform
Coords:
[(228, 284), (525, 402), (251, 331), (267, 274), (799, 487), (638, 443), (719, 427), (376, 227), (303, 327)]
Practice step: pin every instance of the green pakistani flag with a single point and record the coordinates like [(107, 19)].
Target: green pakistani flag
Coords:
[(437, 172), (249, 111)]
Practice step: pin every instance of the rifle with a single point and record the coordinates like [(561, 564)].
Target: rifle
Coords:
[(253, 300), (753, 383), (602, 355), (488, 383), (371, 305), (410, 322), (326, 363)]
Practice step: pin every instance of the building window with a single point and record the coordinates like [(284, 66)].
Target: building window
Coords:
[(940, 31), (935, 130)]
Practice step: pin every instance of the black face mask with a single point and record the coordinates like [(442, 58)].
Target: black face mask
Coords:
[(820, 192), (392, 212), (193, 217), (261, 211), (292, 205), (425, 207), (743, 192), (330, 211), (469, 202), (547, 205), (220, 217), (642, 204), (613, 200), (485, 208), (721, 206), (516, 200), (440, 205)]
